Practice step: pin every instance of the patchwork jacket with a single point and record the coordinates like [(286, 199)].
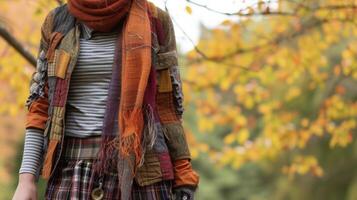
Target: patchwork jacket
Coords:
[(46, 103)]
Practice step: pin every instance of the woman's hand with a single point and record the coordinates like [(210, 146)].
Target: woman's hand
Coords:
[(184, 193), (26, 188)]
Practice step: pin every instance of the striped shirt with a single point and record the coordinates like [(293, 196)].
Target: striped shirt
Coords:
[(87, 95), (89, 86)]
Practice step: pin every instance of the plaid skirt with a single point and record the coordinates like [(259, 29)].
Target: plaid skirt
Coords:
[(71, 177)]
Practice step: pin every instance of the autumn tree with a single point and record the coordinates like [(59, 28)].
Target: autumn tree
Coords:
[(281, 74)]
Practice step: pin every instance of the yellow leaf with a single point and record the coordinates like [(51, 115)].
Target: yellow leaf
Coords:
[(189, 10), (227, 22), (243, 136), (229, 139)]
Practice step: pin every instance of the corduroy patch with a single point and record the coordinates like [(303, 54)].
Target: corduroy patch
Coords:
[(150, 171), (176, 141), (166, 107), (60, 92)]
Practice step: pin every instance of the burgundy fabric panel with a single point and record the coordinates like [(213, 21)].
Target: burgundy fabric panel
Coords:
[(60, 92), (166, 165), (159, 31)]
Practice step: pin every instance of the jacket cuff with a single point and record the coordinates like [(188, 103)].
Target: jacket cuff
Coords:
[(185, 175), (37, 114)]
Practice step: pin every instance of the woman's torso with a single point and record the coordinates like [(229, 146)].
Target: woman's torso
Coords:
[(89, 84)]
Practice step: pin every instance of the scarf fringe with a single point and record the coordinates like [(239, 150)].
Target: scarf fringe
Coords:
[(131, 127), (150, 132), (107, 158), (137, 142)]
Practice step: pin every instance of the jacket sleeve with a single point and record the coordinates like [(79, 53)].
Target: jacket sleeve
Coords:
[(170, 106), (37, 101)]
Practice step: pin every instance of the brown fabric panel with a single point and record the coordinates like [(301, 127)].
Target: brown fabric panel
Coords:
[(56, 38), (150, 171), (165, 81), (176, 141), (46, 30), (167, 59), (165, 106), (169, 40)]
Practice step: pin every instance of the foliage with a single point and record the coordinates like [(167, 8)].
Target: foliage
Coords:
[(273, 81)]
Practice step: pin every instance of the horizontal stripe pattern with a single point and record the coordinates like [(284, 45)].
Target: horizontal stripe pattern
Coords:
[(32, 151), (89, 85)]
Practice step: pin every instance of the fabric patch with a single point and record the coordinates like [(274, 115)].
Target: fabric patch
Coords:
[(166, 166), (62, 59), (160, 143), (165, 84), (176, 141), (55, 39), (159, 30), (184, 174), (167, 59), (51, 82), (37, 115), (152, 9), (57, 123), (51, 69), (48, 162), (38, 80), (155, 44), (48, 125), (60, 93), (177, 90), (150, 171), (166, 107)]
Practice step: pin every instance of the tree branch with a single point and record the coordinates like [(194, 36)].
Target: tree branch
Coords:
[(240, 14), (12, 41), (276, 40)]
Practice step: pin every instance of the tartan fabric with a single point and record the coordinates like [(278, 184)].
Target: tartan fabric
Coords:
[(76, 149), (72, 175), (51, 66)]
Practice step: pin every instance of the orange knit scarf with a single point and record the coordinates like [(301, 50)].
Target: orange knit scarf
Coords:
[(136, 67), (104, 15)]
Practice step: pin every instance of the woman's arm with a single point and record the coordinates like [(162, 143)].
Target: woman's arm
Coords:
[(186, 179), (37, 115), (32, 152)]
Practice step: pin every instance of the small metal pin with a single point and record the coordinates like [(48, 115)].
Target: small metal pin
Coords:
[(98, 193)]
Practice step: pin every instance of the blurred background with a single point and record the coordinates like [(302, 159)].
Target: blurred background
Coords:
[(270, 94)]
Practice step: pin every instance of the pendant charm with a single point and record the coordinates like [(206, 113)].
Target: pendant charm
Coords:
[(98, 193)]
